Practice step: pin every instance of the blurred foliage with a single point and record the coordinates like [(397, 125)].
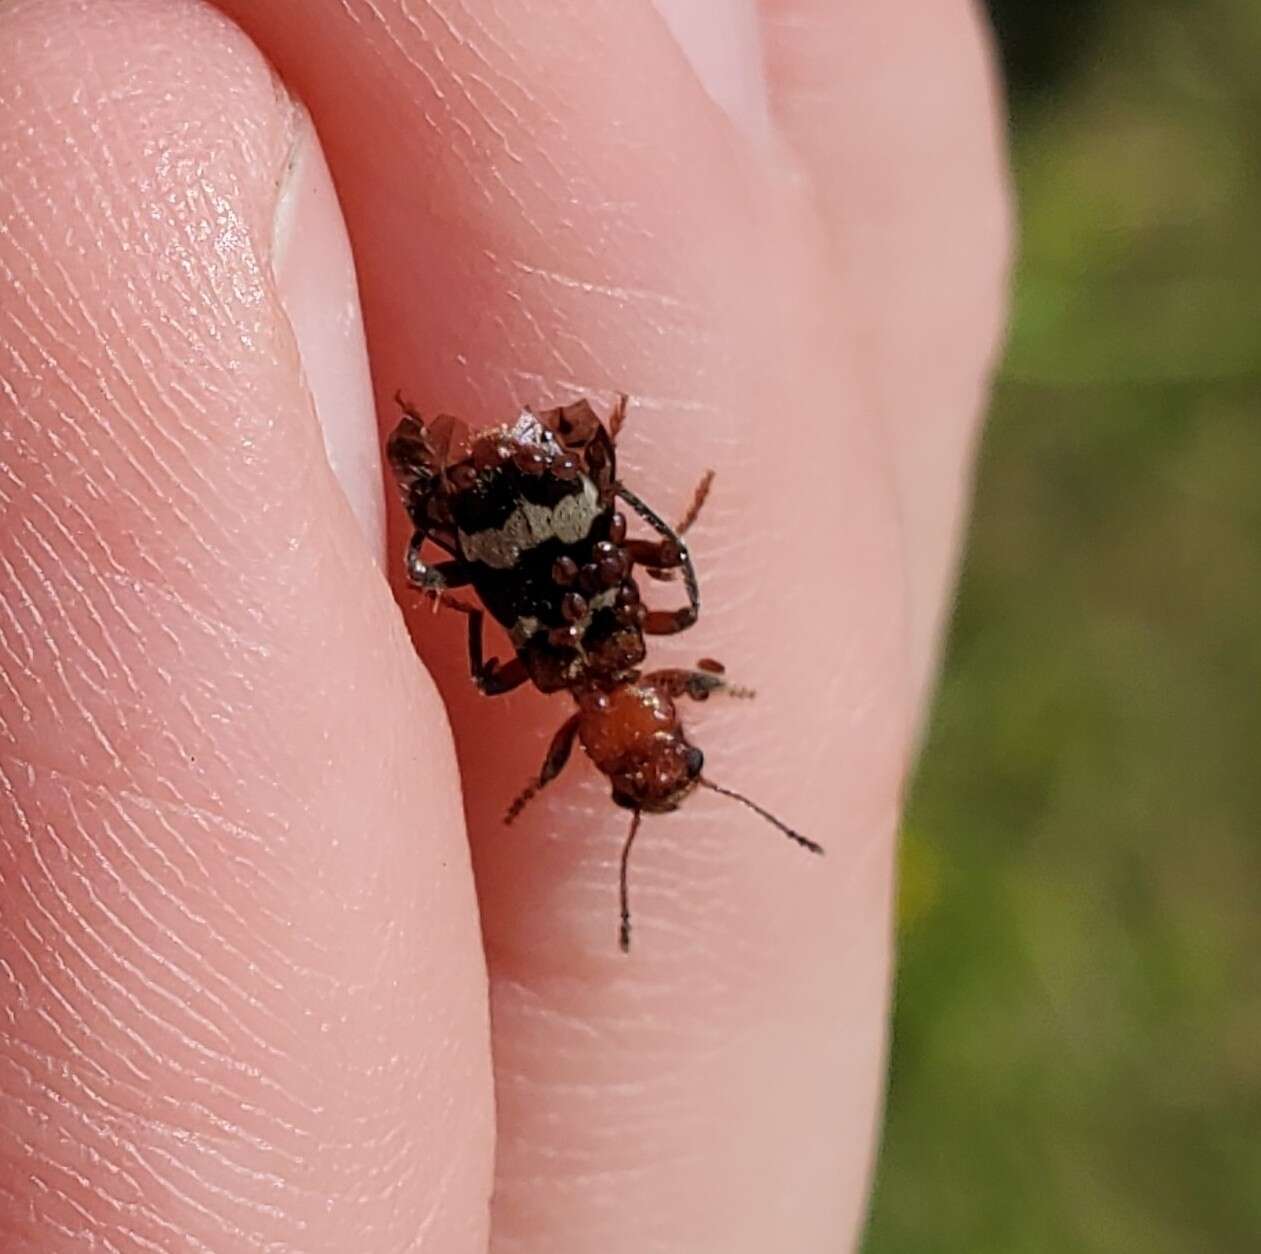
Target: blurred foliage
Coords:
[(1076, 1060), (1040, 41)]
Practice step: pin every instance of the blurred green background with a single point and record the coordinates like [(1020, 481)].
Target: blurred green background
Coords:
[(1076, 1060)]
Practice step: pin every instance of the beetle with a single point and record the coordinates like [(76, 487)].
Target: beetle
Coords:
[(634, 735), (527, 513)]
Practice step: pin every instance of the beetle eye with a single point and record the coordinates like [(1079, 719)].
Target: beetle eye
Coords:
[(695, 761)]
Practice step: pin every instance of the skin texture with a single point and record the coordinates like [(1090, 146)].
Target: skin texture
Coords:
[(244, 1000)]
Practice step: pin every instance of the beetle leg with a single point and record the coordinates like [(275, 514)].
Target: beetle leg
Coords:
[(668, 622), (437, 579), (671, 551), (655, 555), (665, 573), (698, 684), (493, 678), (557, 755), (434, 577), (661, 559), (443, 537), (658, 560), (435, 533)]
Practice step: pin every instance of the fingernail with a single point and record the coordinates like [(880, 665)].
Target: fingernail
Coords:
[(315, 279), (723, 41)]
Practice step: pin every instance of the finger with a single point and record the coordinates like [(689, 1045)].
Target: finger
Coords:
[(242, 993), (553, 205), (893, 110)]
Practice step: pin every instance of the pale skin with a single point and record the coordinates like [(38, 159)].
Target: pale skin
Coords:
[(245, 1001)]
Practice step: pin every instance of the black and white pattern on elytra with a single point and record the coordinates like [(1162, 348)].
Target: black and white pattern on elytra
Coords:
[(527, 514), (568, 518)]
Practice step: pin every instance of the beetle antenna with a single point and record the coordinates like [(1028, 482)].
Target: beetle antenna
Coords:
[(521, 800), (803, 841), (624, 935)]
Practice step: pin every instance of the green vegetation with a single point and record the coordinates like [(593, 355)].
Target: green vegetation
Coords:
[(1076, 1065)]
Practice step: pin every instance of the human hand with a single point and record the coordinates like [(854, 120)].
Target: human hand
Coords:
[(245, 1003)]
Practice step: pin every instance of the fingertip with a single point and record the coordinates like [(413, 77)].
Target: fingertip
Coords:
[(722, 40), (316, 285)]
